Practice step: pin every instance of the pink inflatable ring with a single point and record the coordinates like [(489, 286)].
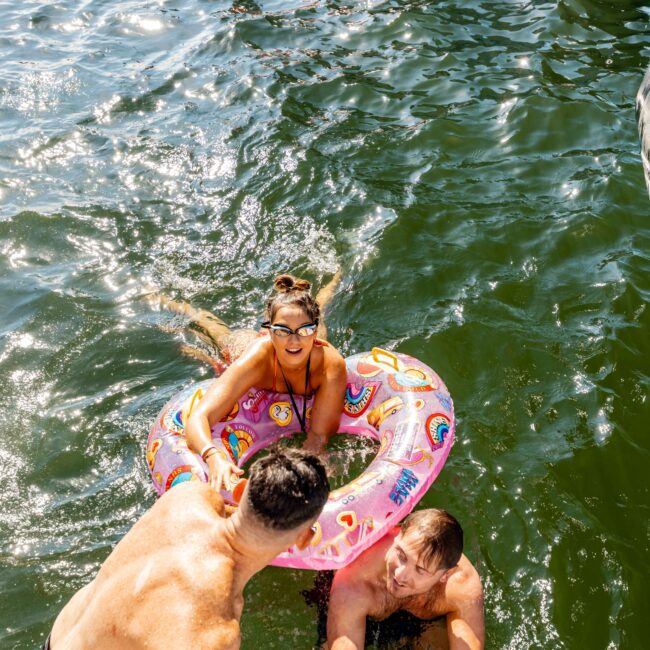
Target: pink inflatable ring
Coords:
[(392, 398)]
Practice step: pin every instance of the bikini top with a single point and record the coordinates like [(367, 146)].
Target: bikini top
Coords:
[(321, 343), (306, 397)]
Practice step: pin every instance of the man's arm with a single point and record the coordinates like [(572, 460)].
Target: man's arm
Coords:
[(346, 618), (466, 625)]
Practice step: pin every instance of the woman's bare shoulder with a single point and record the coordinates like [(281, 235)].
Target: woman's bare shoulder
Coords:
[(254, 361), (333, 361), (330, 353), (260, 348)]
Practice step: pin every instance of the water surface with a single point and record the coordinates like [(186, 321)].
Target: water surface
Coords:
[(471, 167)]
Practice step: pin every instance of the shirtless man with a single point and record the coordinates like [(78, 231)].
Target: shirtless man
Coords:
[(176, 579), (419, 568)]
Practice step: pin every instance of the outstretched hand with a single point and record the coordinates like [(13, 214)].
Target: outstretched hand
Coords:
[(221, 472), (315, 443)]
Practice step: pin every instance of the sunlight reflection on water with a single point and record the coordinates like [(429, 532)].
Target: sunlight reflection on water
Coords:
[(475, 174)]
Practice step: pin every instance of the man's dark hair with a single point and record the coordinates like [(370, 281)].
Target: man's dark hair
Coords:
[(441, 536), (287, 488)]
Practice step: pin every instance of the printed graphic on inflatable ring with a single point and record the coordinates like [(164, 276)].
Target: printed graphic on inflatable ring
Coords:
[(237, 441), (179, 445), (437, 428), (357, 399), (354, 532), (401, 378), (405, 483), (254, 404), (152, 451), (368, 369), (416, 458), (445, 401), (281, 413), (318, 534), (391, 406), (181, 475), (348, 493), (173, 421), (411, 380), (403, 439)]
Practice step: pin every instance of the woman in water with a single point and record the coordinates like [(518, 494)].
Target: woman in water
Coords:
[(287, 357)]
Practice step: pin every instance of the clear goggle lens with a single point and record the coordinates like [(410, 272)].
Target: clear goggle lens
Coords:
[(283, 332)]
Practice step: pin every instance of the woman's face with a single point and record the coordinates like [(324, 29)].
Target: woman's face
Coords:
[(293, 350)]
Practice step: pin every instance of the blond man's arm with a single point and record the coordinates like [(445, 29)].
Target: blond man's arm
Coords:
[(346, 618)]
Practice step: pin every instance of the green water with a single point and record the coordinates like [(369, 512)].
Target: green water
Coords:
[(472, 168)]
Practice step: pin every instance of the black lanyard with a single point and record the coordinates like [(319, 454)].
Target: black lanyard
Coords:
[(303, 420)]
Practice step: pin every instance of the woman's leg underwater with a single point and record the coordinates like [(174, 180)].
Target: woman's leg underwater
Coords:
[(208, 326), (230, 344), (323, 298)]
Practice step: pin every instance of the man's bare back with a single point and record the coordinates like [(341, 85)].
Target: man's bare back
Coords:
[(156, 584), (390, 577), (176, 579)]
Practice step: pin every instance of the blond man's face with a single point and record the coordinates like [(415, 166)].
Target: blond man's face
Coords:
[(406, 573)]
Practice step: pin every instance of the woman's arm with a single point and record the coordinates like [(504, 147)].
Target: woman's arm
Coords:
[(328, 403), (218, 401)]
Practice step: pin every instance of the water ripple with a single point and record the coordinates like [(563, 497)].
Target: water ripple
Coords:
[(475, 174)]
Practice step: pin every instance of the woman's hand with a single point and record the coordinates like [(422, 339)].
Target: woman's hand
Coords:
[(315, 443), (221, 472)]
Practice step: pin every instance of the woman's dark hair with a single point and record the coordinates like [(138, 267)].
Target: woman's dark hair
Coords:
[(441, 536), (287, 488), (290, 291)]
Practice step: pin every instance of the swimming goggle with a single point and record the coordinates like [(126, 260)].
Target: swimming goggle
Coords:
[(283, 331)]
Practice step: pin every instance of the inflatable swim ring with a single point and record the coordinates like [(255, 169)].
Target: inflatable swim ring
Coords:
[(392, 398), (643, 123)]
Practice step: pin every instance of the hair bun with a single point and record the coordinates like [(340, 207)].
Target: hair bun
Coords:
[(286, 283)]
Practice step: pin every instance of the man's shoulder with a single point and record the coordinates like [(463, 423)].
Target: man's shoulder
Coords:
[(355, 578), (351, 592), (187, 500), (358, 580), (189, 490), (464, 585)]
